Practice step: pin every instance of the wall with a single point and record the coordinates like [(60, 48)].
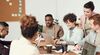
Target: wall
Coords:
[(40, 8), (58, 8), (11, 10), (14, 31)]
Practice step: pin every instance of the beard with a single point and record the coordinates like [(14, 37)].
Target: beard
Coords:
[(49, 25)]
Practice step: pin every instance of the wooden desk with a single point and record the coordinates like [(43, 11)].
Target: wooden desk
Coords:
[(44, 52)]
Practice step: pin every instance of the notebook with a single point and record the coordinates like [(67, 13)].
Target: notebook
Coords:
[(88, 49)]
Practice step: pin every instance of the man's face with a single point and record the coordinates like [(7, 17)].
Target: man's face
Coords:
[(88, 12), (94, 27), (3, 31), (48, 21)]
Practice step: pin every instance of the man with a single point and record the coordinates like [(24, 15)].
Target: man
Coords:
[(4, 45), (51, 29)]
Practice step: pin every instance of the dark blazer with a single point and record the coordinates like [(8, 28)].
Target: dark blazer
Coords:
[(4, 47)]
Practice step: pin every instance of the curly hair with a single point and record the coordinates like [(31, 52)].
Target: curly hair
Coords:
[(71, 17)]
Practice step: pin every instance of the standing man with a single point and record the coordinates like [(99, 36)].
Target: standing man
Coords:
[(4, 45)]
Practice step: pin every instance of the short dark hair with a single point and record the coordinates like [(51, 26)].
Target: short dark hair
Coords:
[(29, 32), (71, 17), (89, 5), (49, 15), (4, 24), (96, 19)]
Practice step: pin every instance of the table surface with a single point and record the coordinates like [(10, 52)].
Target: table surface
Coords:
[(44, 52)]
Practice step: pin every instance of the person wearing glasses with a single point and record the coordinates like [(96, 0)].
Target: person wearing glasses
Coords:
[(4, 45)]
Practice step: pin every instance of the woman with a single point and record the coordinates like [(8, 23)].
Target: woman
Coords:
[(84, 19), (73, 30), (26, 45)]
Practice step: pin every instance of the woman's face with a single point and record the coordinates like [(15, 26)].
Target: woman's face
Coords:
[(94, 26), (70, 24), (88, 12)]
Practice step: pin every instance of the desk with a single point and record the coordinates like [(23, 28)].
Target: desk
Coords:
[(44, 52)]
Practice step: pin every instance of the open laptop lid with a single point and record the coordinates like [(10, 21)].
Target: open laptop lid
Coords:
[(88, 49)]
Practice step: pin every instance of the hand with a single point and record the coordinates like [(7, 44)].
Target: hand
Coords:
[(56, 41), (77, 47)]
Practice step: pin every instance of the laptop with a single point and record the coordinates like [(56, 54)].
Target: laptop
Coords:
[(88, 49)]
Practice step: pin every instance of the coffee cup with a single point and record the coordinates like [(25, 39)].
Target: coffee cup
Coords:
[(49, 48)]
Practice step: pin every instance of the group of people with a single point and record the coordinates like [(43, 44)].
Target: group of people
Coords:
[(87, 30)]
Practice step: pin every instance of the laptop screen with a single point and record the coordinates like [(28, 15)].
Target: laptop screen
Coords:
[(88, 49)]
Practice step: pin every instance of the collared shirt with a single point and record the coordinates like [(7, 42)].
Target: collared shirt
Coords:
[(93, 38), (74, 35), (23, 47)]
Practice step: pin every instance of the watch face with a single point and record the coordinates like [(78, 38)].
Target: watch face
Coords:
[(11, 10)]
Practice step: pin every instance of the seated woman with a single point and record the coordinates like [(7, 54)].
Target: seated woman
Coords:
[(73, 33), (26, 45), (4, 45)]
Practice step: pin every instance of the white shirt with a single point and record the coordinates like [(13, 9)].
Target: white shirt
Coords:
[(23, 47), (76, 37), (91, 38)]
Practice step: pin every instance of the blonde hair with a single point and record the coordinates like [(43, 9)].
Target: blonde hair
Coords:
[(96, 19), (28, 20)]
